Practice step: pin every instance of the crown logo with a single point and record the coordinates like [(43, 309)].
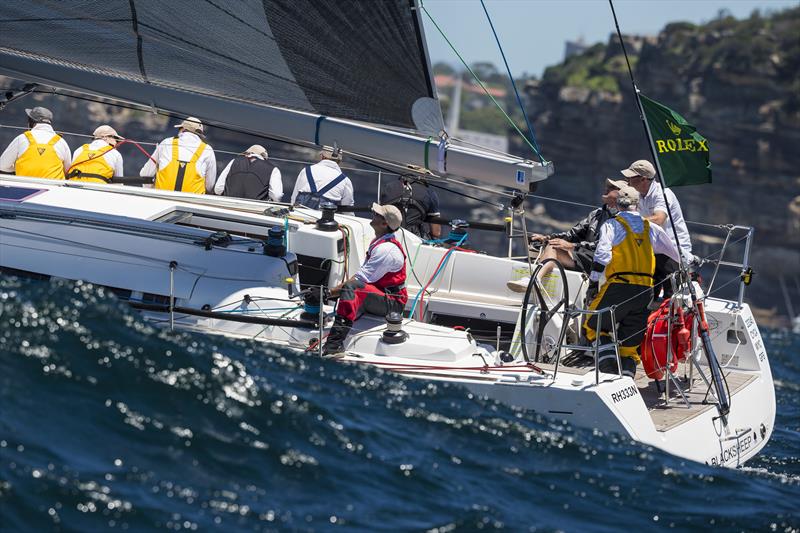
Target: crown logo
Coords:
[(674, 128)]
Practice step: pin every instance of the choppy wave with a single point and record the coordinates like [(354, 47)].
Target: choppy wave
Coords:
[(107, 422)]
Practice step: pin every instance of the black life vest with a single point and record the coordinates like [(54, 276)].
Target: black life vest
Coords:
[(249, 178)]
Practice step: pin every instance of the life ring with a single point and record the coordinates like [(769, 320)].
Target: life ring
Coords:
[(654, 345)]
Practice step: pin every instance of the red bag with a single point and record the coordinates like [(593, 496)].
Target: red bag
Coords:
[(654, 345)]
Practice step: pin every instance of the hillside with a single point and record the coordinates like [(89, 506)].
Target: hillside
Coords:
[(738, 81)]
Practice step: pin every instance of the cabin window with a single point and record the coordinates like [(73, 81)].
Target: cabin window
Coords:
[(215, 222)]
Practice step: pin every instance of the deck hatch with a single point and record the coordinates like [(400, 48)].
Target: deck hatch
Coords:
[(18, 194)]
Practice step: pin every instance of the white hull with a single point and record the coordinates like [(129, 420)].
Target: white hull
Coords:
[(127, 239)]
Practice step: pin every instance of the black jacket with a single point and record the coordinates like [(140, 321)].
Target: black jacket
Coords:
[(586, 232)]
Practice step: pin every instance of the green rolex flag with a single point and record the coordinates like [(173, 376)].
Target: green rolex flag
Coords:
[(682, 152)]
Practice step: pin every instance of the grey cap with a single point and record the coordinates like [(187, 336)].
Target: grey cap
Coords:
[(392, 215), (40, 114), (617, 184), (642, 167)]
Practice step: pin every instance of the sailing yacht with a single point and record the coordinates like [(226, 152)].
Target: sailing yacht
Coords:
[(356, 74)]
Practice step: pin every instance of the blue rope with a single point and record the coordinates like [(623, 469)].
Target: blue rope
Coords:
[(451, 237), (435, 274), (514, 85)]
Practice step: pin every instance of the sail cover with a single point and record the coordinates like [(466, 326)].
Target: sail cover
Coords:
[(361, 60)]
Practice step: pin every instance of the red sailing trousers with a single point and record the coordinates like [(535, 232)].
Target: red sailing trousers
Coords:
[(358, 296)]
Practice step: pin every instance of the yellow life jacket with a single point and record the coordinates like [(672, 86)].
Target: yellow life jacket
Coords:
[(182, 175), (632, 260), (40, 160), (92, 166)]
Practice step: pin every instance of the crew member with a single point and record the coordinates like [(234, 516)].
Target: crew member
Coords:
[(98, 161), (623, 265), (323, 181), (652, 206), (379, 286), (574, 249), (416, 201), (39, 152), (252, 176), (184, 162)]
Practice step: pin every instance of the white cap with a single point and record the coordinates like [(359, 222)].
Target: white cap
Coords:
[(257, 149), (106, 131), (191, 124), (628, 196), (334, 153), (642, 167), (392, 215)]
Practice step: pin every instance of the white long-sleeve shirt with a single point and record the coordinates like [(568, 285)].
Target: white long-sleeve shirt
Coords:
[(612, 233), (323, 173), (385, 257), (684, 239), (275, 180), (43, 133), (654, 201), (188, 143), (112, 157)]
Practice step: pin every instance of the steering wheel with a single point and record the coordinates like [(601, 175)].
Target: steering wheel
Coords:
[(546, 312)]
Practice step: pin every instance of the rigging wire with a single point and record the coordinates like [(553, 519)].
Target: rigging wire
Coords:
[(513, 83), (482, 85), (429, 180)]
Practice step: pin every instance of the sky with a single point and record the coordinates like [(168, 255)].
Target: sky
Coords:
[(533, 32)]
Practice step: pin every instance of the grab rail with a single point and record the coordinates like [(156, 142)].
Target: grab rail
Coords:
[(746, 272)]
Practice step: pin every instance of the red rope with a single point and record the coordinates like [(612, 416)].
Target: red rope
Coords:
[(120, 143), (137, 145), (92, 158)]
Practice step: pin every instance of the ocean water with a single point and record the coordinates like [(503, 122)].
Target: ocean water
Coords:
[(107, 423)]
